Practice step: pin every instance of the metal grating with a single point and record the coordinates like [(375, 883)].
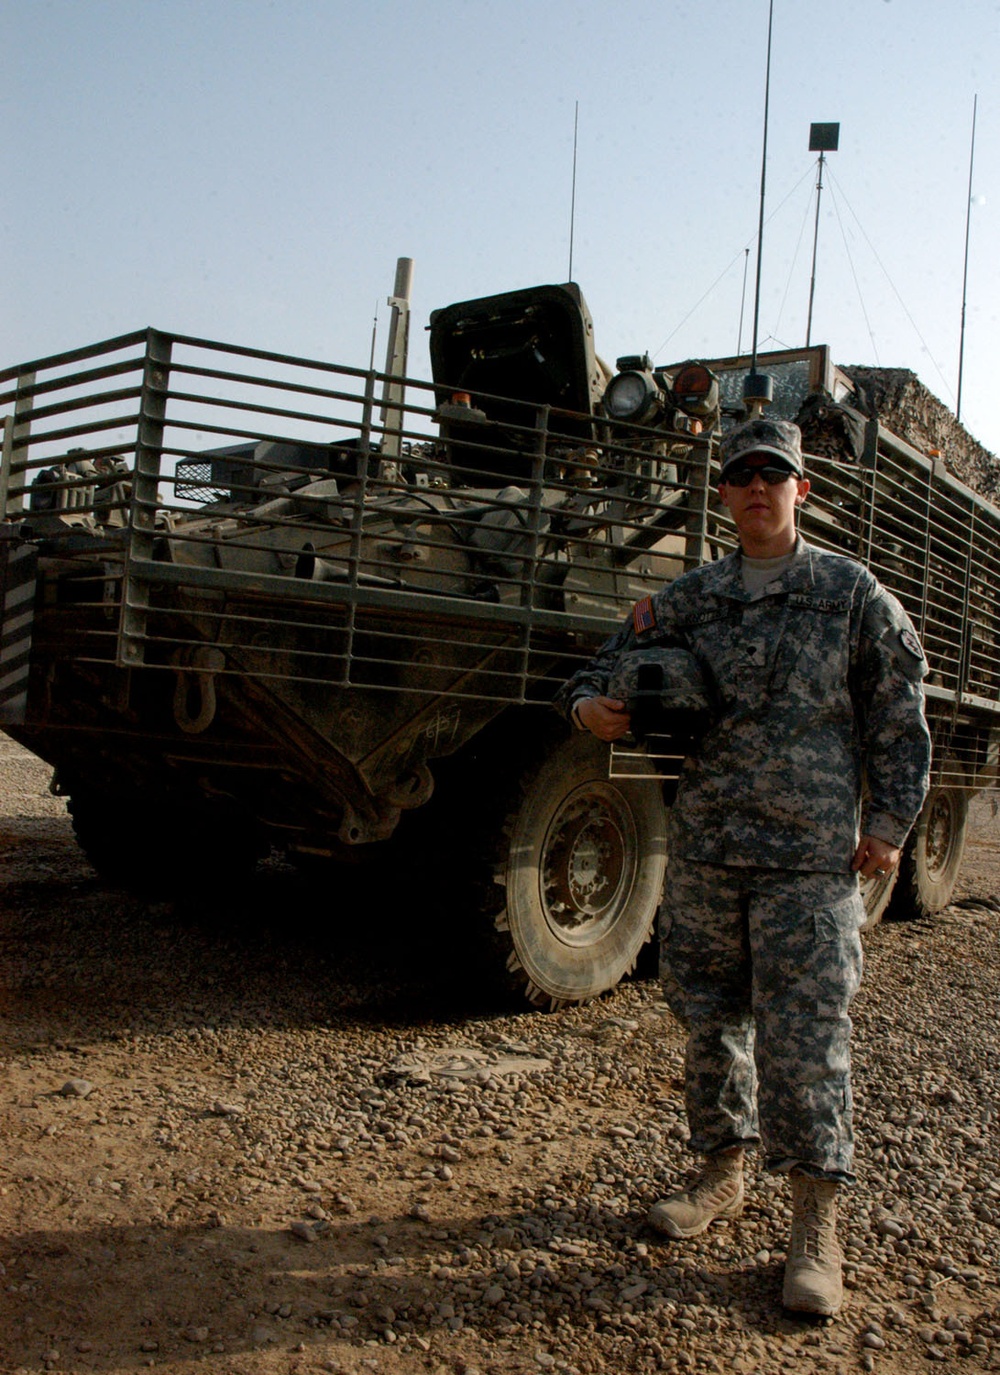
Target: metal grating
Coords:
[(256, 515)]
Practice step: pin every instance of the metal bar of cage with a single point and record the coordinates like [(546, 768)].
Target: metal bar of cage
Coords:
[(928, 538)]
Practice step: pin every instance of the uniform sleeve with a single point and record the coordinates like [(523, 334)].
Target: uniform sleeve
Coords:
[(890, 698), (592, 680)]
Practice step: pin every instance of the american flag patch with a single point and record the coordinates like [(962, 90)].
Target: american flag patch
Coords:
[(642, 615)]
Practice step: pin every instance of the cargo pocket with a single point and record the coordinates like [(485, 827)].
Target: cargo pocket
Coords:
[(838, 958)]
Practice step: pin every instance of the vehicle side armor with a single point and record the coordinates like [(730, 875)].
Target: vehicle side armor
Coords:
[(256, 601)]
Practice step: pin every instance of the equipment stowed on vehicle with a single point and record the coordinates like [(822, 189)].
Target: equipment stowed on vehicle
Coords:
[(254, 601)]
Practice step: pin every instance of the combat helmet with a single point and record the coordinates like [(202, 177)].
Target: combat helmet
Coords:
[(665, 690)]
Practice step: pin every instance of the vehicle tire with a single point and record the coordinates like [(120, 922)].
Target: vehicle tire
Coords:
[(579, 873), (876, 894), (932, 857), (162, 847)]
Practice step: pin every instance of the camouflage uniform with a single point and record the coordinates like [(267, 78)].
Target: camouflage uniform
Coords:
[(816, 680)]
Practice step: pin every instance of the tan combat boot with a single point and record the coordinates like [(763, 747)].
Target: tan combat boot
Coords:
[(717, 1193), (813, 1282)]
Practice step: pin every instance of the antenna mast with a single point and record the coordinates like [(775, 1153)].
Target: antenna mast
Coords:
[(397, 347), (758, 388), (823, 138), (965, 271)]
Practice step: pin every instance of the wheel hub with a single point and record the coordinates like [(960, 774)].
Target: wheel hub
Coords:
[(588, 865), (940, 830)]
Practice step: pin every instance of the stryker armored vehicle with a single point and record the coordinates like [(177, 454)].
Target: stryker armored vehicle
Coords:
[(254, 602)]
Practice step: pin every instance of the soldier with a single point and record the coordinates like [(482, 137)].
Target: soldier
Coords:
[(813, 673)]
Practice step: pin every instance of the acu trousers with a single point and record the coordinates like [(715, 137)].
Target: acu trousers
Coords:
[(761, 966)]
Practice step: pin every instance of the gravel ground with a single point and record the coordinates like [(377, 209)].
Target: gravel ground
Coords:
[(252, 1145)]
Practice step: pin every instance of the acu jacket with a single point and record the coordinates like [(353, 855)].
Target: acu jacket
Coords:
[(818, 704)]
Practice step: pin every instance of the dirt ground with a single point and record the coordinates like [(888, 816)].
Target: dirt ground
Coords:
[(245, 1141)]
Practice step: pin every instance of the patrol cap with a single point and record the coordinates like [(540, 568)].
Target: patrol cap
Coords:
[(779, 438)]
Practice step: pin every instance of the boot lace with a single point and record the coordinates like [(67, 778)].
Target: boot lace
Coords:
[(813, 1236), (717, 1182)]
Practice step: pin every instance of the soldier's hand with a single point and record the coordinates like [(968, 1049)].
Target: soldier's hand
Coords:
[(874, 858), (605, 717)]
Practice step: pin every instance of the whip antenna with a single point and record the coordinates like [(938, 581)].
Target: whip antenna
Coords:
[(965, 272), (757, 387), (572, 198), (371, 352), (743, 300)]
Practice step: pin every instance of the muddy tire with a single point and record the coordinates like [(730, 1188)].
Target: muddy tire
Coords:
[(877, 895), (932, 858), (578, 874)]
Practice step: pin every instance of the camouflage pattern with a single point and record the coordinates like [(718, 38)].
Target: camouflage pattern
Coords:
[(666, 694), (762, 436), (680, 681), (761, 967), (817, 681), (816, 678)]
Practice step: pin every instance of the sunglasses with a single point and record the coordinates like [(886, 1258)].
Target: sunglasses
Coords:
[(742, 477)]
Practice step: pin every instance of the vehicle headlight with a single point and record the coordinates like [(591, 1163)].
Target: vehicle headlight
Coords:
[(632, 396), (695, 389)]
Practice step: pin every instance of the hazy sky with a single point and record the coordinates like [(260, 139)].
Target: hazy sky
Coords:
[(250, 171)]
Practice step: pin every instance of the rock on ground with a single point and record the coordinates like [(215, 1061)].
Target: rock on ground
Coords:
[(285, 1135)]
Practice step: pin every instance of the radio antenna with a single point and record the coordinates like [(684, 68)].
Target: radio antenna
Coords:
[(371, 352), (743, 300), (965, 271), (572, 199), (823, 139), (758, 388)]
